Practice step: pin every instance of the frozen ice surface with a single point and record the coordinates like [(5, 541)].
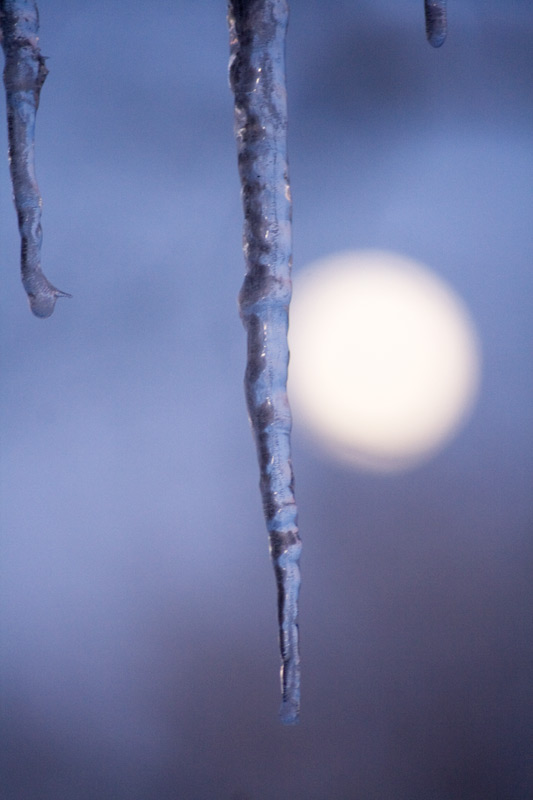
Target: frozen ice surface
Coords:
[(257, 76)]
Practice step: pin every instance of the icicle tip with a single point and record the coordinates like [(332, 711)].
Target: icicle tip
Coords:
[(289, 713), (436, 23), (42, 302)]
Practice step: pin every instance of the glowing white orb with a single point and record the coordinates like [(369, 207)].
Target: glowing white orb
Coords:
[(384, 358)]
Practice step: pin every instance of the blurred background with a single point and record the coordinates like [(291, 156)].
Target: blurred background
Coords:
[(139, 643)]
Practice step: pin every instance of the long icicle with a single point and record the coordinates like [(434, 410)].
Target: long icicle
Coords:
[(24, 75), (436, 24), (257, 77)]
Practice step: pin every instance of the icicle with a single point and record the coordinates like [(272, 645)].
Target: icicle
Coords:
[(436, 25), (257, 76), (24, 75)]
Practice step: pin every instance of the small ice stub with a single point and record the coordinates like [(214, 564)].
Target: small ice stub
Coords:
[(436, 24)]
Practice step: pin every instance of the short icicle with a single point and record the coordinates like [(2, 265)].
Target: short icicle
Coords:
[(257, 77), (436, 24), (24, 75)]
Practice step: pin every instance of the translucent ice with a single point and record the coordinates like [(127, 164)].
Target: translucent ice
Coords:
[(24, 74), (435, 21), (257, 76)]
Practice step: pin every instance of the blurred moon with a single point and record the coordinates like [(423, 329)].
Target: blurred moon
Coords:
[(385, 361)]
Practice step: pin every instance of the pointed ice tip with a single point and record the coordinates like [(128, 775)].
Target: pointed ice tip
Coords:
[(43, 304)]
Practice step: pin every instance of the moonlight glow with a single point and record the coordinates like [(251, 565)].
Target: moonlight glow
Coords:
[(384, 358)]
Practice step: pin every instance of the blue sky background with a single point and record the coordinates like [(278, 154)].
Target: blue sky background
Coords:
[(138, 603)]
